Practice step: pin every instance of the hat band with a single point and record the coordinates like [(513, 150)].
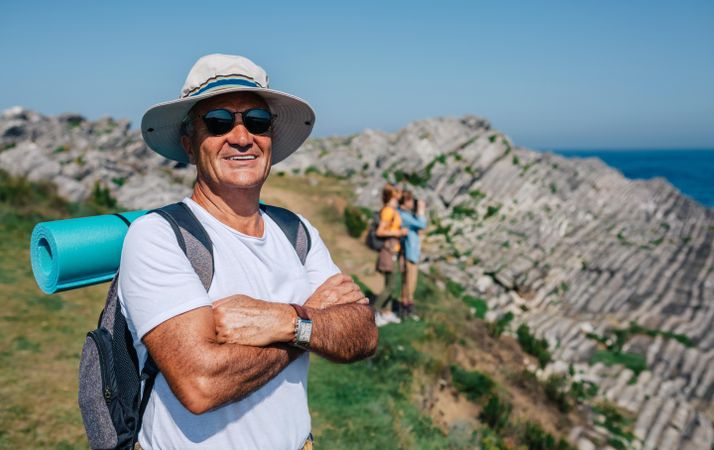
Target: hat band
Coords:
[(223, 84)]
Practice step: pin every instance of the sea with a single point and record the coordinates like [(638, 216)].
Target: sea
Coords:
[(691, 171)]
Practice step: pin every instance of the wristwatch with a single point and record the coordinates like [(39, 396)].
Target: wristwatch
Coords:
[(303, 327)]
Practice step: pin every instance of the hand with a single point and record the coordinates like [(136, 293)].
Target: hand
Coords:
[(403, 231), (241, 319), (339, 289), (421, 207)]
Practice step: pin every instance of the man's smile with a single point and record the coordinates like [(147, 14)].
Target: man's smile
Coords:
[(241, 157)]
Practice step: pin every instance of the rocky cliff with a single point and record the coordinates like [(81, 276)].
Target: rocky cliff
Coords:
[(617, 275)]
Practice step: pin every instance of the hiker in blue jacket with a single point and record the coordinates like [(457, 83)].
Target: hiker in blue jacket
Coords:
[(414, 220)]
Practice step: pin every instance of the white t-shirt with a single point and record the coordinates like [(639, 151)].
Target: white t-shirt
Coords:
[(157, 282)]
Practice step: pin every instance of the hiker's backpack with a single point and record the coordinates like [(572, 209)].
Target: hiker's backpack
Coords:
[(110, 397), (372, 240)]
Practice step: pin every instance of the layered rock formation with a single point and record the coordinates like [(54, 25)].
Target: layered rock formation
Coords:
[(585, 257), (570, 247), (79, 155)]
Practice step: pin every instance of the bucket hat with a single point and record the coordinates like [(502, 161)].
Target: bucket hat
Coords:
[(219, 74)]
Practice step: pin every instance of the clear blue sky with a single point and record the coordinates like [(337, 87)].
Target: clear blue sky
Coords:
[(565, 74)]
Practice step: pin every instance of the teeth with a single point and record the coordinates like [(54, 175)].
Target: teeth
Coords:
[(241, 158)]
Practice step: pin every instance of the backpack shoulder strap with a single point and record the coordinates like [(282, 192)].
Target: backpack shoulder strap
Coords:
[(192, 238), (196, 244), (294, 228)]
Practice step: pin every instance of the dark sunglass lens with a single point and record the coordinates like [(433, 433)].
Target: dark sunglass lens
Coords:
[(219, 121), (257, 121)]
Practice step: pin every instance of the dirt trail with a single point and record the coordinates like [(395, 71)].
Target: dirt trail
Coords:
[(321, 201)]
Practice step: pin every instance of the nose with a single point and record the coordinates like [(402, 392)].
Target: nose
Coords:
[(240, 137)]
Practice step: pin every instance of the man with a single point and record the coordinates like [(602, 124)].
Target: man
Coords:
[(230, 374)]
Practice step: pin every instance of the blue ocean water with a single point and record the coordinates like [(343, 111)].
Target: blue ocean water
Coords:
[(691, 171)]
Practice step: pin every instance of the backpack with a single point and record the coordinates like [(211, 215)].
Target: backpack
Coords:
[(110, 394), (372, 240)]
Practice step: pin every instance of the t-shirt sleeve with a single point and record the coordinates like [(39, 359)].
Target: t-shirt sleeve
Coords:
[(319, 264), (156, 280), (386, 215)]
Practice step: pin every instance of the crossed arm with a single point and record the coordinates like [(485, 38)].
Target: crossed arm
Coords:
[(211, 356)]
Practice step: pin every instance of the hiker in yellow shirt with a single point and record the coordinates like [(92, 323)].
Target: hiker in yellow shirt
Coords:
[(390, 229)]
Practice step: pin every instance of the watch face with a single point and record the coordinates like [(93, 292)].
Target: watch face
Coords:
[(304, 332)]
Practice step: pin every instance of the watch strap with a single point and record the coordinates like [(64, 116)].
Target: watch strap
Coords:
[(301, 311)]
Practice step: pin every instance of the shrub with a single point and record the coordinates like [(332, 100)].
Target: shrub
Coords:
[(555, 391), (473, 384), (478, 304), (355, 220), (617, 424), (477, 195), (21, 194), (582, 390), (101, 196), (438, 228), (455, 288), (499, 326), (491, 211), (461, 211), (533, 346), (536, 438), (496, 412), (489, 440), (420, 179)]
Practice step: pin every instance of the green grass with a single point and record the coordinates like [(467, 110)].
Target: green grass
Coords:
[(368, 404), (478, 304), (41, 336), (636, 363), (455, 288)]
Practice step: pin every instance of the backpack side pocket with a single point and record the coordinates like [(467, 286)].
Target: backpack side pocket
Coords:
[(96, 390)]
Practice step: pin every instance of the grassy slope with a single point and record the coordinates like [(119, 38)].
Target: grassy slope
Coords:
[(41, 336), (379, 403)]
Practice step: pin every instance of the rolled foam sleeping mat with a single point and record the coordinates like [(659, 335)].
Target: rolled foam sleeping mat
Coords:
[(72, 253)]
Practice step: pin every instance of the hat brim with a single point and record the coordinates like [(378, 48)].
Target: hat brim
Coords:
[(293, 123)]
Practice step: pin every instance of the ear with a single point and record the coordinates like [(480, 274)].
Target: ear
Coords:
[(188, 148)]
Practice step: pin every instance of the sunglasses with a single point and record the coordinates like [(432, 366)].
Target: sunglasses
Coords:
[(222, 121)]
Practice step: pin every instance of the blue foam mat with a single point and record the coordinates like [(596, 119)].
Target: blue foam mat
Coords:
[(72, 253)]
